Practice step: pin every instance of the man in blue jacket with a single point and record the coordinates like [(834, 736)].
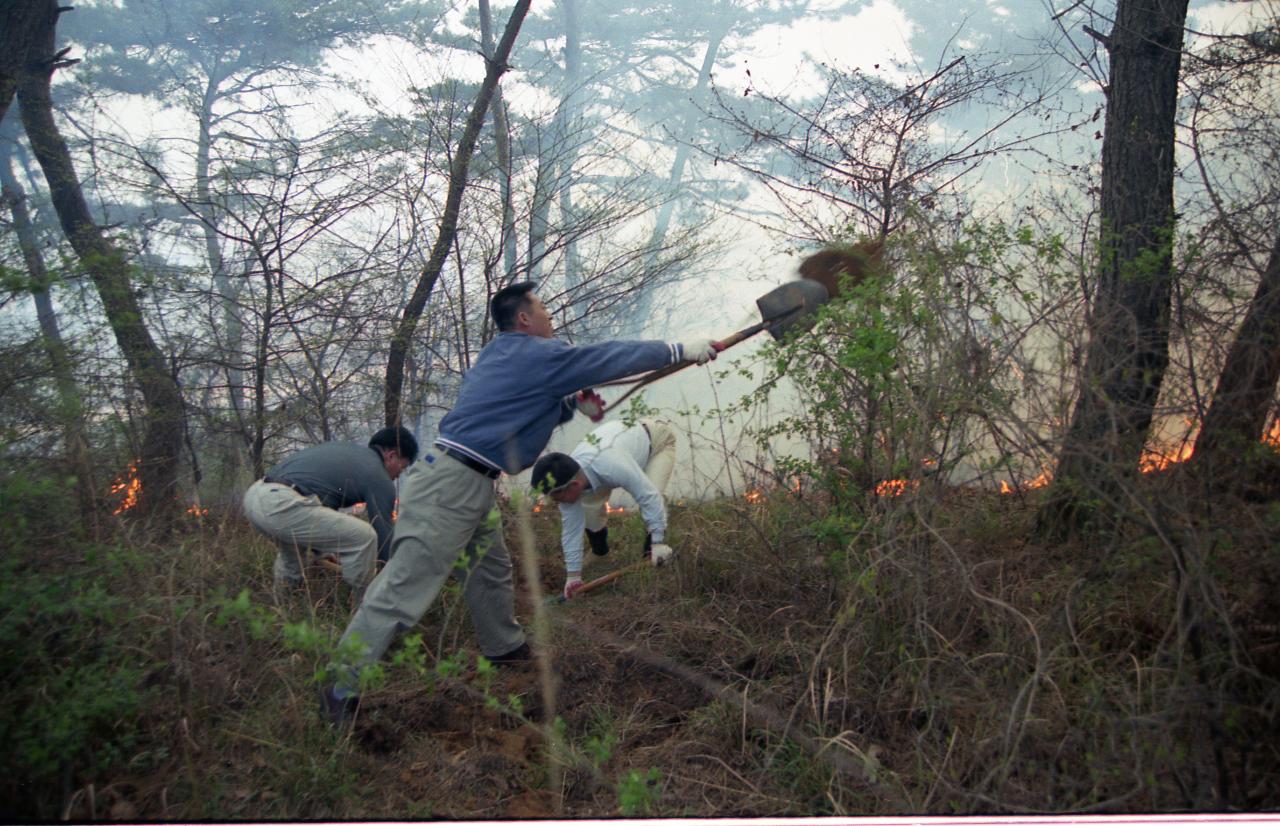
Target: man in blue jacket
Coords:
[(522, 386)]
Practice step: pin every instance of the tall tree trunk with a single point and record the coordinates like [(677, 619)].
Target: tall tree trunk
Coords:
[(262, 351), (566, 131), (496, 66), (70, 404), (644, 306), (107, 267), (20, 22), (540, 203), (1129, 326), (502, 141), (228, 291), (1241, 402)]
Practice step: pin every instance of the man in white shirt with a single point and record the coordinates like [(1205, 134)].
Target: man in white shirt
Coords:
[(638, 459)]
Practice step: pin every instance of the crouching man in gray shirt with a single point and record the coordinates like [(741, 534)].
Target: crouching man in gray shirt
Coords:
[(297, 502)]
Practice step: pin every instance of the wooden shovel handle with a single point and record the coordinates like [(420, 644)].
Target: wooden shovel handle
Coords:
[(607, 578), (723, 344), (610, 577)]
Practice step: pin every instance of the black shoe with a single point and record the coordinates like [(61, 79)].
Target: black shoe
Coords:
[(648, 545), (599, 541), (515, 656), (338, 712)]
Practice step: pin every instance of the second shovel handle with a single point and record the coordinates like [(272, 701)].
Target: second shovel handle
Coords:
[(606, 579), (610, 577)]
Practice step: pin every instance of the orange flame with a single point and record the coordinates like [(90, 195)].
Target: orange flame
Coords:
[(896, 487), (1272, 437), (1040, 481), (197, 511), (614, 508), (1153, 460), (755, 497), (127, 486)]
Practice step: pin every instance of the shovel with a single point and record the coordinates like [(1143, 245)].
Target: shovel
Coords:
[(604, 580), (782, 309)]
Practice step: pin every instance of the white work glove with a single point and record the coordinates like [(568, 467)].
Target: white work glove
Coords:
[(701, 350), (661, 553), (571, 586), (591, 404)]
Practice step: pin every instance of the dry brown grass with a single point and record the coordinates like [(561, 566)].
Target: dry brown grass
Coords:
[(939, 661)]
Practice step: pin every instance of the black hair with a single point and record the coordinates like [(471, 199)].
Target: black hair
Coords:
[(397, 439), (507, 303), (555, 470)]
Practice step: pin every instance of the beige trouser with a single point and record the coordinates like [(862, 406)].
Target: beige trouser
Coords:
[(301, 526), (446, 509), (662, 459)]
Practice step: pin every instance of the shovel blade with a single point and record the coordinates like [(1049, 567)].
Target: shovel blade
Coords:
[(791, 306)]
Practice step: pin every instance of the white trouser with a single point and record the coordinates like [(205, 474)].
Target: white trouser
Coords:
[(301, 526), (662, 460)]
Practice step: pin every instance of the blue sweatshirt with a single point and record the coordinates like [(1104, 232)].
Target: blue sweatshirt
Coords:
[(515, 394)]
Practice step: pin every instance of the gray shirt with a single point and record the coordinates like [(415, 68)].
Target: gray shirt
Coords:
[(342, 474)]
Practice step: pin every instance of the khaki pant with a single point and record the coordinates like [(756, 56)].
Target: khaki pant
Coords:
[(302, 526), (662, 460), (447, 525)]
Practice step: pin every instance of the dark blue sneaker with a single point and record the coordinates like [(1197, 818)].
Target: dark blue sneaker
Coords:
[(516, 656), (338, 712)]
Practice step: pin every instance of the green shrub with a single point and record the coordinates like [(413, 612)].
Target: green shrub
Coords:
[(75, 688), (638, 792), (30, 505)]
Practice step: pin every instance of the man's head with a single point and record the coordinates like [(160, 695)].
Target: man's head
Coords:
[(397, 447), (515, 309), (559, 477)]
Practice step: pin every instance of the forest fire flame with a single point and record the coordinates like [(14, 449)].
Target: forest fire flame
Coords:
[(755, 497), (1040, 481), (128, 487), (896, 487), (614, 508), (197, 511), (1154, 460)]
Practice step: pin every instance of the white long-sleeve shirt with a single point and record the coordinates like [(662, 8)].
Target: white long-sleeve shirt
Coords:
[(612, 456)]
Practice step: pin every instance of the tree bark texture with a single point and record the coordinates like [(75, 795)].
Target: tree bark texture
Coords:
[(70, 404), (232, 342), (1241, 402), (109, 271), (20, 22), (644, 306), (567, 127), (496, 66), (502, 143), (1129, 323)]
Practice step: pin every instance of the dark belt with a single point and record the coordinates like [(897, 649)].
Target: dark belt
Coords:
[(478, 467), (287, 484)]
